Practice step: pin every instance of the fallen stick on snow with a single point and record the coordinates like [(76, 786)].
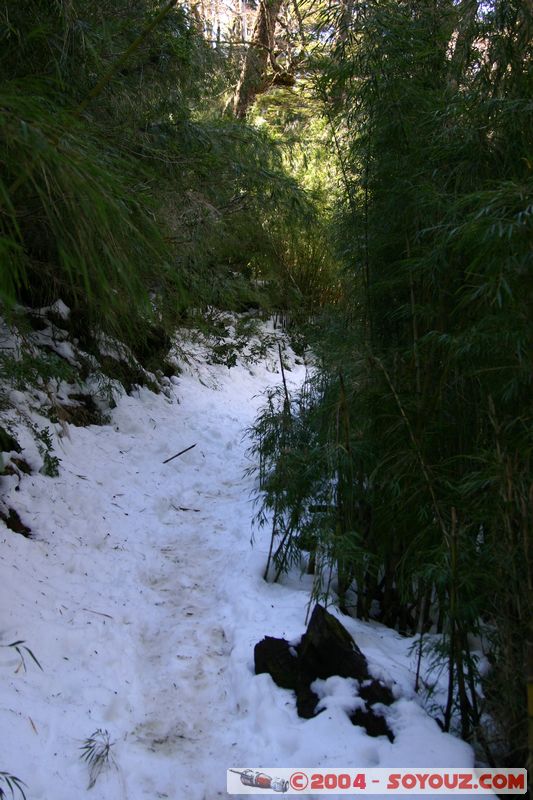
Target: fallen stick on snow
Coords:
[(100, 613), (181, 452)]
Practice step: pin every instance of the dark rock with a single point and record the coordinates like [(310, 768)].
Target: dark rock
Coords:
[(8, 442), (273, 656), (15, 466), (374, 724), (376, 692), (129, 374), (37, 321), (328, 649), (14, 522), (306, 700), (82, 412), (169, 369), (85, 412), (22, 465), (156, 343)]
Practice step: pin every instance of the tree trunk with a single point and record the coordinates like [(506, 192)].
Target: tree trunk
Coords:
[(244, 21), (253, 75), (465, 35)]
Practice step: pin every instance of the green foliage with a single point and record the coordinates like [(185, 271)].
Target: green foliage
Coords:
[(45, 446), (230, 230), (58, 171), (416, 447), (79, 208), (307, 274), (31, 369), (122, 190)]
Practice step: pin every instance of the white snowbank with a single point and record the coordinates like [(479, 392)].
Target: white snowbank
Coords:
[(142, 598)]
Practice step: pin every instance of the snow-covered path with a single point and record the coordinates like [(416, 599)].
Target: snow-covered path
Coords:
[(142, 599), (138, 564)]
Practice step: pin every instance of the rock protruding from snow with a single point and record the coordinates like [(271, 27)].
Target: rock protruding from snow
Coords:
[(326, 650), (8, 443), (274, 657)]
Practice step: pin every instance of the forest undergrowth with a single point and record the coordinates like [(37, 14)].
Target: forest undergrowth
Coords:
[(400, 475)]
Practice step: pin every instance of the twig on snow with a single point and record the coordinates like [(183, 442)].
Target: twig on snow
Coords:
[(181, 452)]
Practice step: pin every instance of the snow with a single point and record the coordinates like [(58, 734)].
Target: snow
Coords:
[(337, 692), (142, 598), (59, 308)]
